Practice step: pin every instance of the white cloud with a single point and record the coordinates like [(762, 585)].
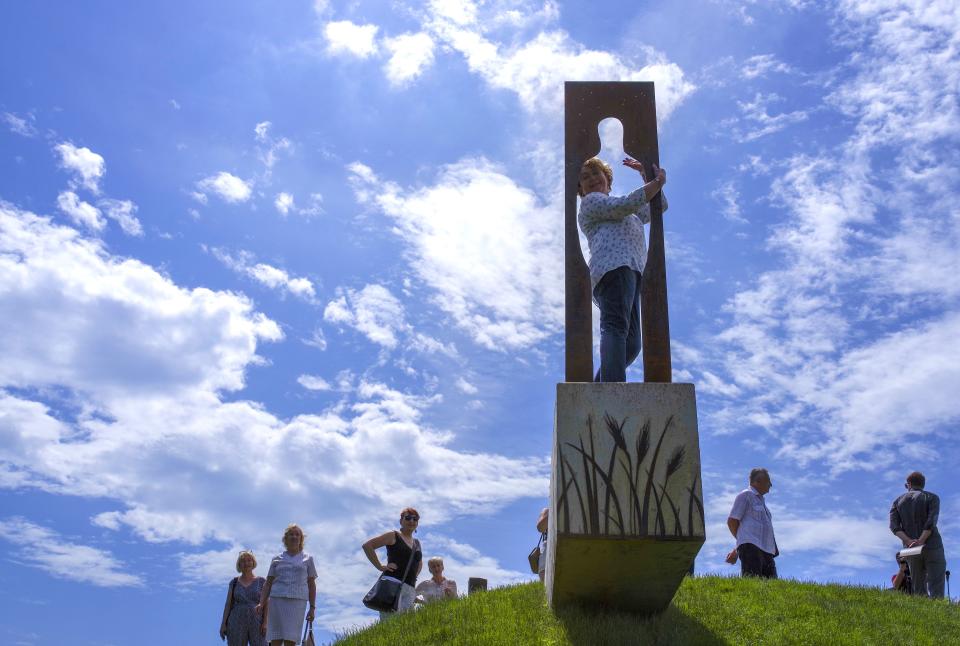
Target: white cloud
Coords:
[(174, 104), (87, 166), (266, 275), (843, 352), (489, 250), (82, 213), (270, 154), (458, 12), (313, 382), (43, 548), (756, 111), (761, 65), (729, 198), (428, 345), (283, 202), (372, 311), (143, 362), (261, 130), (410, 55), (336, 457), (466, 387), (103, 324), (19, 125), (122, 211), (317, 340), (229, 188), (346, 38), (315, 206), (536, 69)]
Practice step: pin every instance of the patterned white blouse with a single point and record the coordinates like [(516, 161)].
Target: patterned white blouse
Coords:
[(291, 572), (614, 230)]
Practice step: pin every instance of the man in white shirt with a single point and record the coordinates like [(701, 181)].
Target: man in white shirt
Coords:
[(751, 524)]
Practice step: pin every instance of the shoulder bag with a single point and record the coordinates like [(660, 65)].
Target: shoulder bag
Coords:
[(534, 556), (385, 593)]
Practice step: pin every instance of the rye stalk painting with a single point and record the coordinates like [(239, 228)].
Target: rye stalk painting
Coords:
[(624, 492)]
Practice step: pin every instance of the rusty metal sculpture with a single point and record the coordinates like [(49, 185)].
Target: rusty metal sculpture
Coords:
[(626, 500), (587, 104)]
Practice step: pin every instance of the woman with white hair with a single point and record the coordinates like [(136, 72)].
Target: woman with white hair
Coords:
[(437, 586), (291, 583)]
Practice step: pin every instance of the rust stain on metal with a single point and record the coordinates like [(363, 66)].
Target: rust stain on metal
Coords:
[(586, 105)]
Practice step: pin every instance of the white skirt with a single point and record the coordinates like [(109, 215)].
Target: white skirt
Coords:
[(285, 619)]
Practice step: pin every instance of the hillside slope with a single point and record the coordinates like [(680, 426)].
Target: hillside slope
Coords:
[(706, 610)]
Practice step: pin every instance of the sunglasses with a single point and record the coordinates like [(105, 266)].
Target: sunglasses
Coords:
[(409, 517)]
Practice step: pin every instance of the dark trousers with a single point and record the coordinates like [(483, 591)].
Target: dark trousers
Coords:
[(755, 562), (928, 572), (618, 296)]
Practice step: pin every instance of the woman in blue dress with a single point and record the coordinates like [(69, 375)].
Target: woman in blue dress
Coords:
[(241, 625)]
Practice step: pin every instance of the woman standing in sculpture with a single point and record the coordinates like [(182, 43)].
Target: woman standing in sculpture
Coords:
[(614, 230)]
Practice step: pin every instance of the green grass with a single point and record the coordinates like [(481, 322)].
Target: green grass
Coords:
[(706, 610)]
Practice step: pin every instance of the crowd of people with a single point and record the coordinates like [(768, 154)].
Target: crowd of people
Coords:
[(273, 609)]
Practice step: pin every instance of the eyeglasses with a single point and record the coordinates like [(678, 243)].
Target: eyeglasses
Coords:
[(410, 517)]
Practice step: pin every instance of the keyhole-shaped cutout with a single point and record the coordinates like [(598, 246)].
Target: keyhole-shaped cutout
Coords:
[(625, 179)]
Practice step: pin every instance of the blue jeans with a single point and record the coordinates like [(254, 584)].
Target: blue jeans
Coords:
[(618, 295)]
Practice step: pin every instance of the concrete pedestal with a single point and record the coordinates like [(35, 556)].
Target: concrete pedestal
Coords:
[(626, 502)]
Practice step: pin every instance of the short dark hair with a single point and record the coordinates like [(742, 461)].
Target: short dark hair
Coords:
[(756, 473), (916, 480)]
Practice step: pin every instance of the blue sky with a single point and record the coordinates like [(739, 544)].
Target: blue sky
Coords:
[(274, 262)]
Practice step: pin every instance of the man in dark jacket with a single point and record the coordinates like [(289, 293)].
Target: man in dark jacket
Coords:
[(913, 518)]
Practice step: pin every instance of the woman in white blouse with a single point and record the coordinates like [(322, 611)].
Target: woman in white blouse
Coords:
[(614, 230), (291, 583), (437, 586)]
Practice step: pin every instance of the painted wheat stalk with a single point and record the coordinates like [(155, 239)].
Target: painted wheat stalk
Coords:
[(627, 512)]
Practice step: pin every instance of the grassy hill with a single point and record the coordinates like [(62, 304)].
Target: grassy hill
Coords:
[(706, 610)]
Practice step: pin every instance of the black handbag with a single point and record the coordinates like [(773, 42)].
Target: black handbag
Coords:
[(385, 593), (534, 556)]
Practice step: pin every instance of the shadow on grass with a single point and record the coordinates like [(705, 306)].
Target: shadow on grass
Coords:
[(604, 627)]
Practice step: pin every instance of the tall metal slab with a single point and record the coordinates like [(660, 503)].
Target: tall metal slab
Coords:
[(586, 105), (626, 501)]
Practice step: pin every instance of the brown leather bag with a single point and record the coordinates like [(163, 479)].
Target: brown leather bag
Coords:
[(534, 556)]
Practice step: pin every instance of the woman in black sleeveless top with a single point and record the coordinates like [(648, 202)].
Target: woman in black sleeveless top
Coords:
[(402, 548)]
